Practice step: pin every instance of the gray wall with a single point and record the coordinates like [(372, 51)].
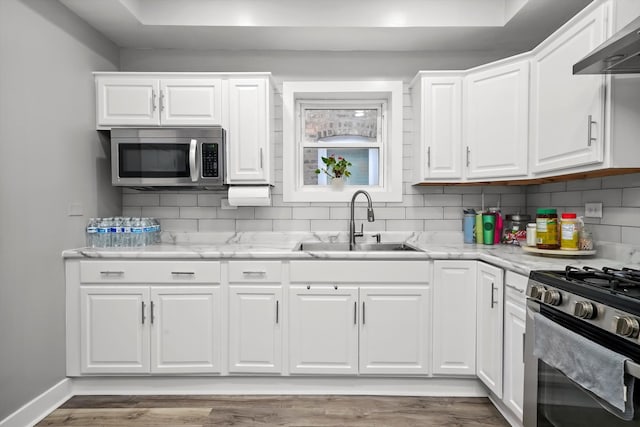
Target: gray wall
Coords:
[(50, 157)]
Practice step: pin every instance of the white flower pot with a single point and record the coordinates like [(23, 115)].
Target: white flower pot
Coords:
[(337, 184)]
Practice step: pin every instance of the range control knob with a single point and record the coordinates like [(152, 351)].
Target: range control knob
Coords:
[(552, 297), (627, 327), (585, 310), (536, 292)]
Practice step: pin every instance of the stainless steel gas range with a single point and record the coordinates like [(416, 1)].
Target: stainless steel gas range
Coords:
[(582, 348)]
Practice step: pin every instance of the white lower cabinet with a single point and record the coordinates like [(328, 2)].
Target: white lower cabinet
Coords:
[(350, 330), (323, 330), (454, 317), (489, 311), (142, 329), (255, 329), (514, 329), (114, 329), (393, 330)]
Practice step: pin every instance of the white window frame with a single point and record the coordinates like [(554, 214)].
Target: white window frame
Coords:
[(339, 94)]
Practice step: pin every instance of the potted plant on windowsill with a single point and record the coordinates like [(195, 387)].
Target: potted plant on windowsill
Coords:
[(336, 169)]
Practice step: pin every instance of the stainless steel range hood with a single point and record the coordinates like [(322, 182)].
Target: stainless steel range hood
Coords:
[(618, 55)]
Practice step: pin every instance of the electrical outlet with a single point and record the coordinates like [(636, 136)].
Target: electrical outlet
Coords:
[(593, 210)]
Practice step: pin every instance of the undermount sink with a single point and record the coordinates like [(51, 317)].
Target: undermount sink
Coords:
[(360, 247)]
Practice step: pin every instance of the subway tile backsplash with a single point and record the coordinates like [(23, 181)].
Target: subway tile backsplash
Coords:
[(425, 208)]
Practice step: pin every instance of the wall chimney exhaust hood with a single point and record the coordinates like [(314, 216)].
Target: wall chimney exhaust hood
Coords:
[(618, 55)]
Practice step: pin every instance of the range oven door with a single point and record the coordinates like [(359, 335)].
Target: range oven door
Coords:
[(552, 399)]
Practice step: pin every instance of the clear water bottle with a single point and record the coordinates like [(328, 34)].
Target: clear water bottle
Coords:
[(102, 239), (155, 231), (92, 231), (137, 232), (116, 232), (126, 232)]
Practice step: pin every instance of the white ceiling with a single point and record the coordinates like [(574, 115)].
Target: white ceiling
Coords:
[(327, 25)]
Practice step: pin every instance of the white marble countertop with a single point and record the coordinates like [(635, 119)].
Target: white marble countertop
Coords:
[(431, 245)]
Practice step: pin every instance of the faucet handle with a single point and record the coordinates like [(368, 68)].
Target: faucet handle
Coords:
[(378, 237)]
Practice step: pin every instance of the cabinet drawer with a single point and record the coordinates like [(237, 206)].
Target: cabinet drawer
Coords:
[(516, 284), (149, 272), (255, 271), (357, 271)]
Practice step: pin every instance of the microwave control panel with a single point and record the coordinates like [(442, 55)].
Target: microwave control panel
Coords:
[(210, 160)]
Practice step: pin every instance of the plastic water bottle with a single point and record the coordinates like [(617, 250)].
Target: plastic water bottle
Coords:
[(155, 231), (92, 231), (137, 232), (116, 232), (126, 232), (102, 240)]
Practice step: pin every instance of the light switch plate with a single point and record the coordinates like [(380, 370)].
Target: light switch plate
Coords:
[(593, 210)]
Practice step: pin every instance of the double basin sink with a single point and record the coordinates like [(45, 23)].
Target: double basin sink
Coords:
[(359, 247)]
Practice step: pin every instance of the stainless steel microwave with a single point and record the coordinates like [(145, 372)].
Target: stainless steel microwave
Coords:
[(168, 157)]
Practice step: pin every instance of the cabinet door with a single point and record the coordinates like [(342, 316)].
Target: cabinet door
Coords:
[(127, 101), (248, 133), (191, 102), (514, 328), (567, 117), (454, 317), (441, 131), (394, 330), (255, 332), (185, 325), (114, 335), (323, 330), (496, 119), (489, 327)]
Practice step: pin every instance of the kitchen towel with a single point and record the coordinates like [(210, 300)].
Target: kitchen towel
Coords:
[(249, 195), (595, 368)]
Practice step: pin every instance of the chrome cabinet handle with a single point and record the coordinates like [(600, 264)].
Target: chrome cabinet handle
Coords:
[(161, 101), (112, 273), (254, 274), (143, 318), (355, 312), (493, 301), (261, 159), (428, 157), (277, 312), (183, 273), (152, 317), (363, 317), (468, 151), (153, 100), (590, 123), (514, 288)]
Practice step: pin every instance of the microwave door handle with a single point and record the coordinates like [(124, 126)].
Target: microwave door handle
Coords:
[(193, 165)]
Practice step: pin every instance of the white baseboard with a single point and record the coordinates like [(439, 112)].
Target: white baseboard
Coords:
[(44, 404), (40, 406), (456, 387), (506, 412)]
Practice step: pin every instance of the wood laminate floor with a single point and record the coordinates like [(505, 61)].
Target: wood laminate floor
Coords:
[(209, 411)]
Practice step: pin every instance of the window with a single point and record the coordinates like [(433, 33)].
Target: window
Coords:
[(361, 124)]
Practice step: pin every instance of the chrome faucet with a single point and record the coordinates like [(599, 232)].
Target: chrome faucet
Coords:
[(352, 224)]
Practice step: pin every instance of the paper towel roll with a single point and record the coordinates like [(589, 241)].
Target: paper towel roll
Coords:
[(250, 195)]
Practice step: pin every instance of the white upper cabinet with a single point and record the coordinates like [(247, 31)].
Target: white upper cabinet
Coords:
[(496, 118), (140, 100), (248, 133), (127, 101), (437, 104), (190, 102), (568, 111)]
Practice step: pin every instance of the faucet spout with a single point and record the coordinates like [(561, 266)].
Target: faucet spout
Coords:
[(352, 224)]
